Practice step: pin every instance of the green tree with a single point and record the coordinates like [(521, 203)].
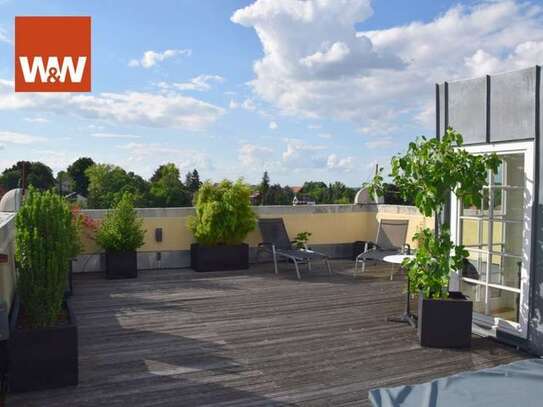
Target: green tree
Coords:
[(167, 190), (77, 170), (317, 191), (264, 187), (192, 181), (393, 196), (278, 195), (139, 188), (107, 184), (36, 173), (339, 193), (427, 174)]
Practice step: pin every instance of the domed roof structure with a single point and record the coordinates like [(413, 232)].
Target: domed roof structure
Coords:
[(12, 200)]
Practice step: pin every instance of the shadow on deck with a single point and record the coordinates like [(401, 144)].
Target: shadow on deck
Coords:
[(180, 338)]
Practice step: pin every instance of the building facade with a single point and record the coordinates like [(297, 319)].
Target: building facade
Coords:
[(504, 234)]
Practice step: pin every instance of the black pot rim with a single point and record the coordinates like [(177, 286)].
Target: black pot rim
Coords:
[(14, 314)]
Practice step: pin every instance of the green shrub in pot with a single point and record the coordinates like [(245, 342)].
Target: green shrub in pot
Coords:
[(120, 235), (44, 247), (121, 230), (223, 219), (43, 345), (223, 213)]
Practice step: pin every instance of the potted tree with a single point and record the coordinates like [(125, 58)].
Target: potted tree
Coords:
[(427, 174), (43, 345), (120, 235), (223, 219)]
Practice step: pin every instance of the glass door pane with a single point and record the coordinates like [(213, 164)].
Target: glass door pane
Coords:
[(493, 234), (503, 304)]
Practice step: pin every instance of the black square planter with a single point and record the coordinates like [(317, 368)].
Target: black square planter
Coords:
[(445, 323), (121, 265), (219, 258), (43, 358)]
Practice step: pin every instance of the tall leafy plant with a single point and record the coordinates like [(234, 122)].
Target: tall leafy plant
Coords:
[(427, 174), (44, 247), (223, 213), (121, 230)]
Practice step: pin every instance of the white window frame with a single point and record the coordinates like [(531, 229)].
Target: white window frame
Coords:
[(495, 323)]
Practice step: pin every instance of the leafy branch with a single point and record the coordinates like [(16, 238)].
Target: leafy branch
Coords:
[(427, 174)]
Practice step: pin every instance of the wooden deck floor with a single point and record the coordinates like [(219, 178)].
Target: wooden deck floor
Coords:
[(179, 338)]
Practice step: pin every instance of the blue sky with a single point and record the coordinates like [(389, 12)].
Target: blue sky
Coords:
[(308, 90)]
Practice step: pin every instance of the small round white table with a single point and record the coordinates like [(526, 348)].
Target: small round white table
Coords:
[(407, 317)]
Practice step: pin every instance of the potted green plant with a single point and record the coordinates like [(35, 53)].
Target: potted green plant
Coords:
[(120, 235), (301, 240), (427, 174), (43, 344), (223, 219)]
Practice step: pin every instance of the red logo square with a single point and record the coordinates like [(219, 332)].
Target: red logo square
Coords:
[(52, 54)]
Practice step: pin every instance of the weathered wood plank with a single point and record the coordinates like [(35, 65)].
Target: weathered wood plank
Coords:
[(249, 338)]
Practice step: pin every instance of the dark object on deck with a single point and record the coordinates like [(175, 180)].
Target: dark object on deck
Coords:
[(469, 270), (359, 246), (277, 243), (445, 323), (121, 265), (515, 384), (43, 358), (219, 258)]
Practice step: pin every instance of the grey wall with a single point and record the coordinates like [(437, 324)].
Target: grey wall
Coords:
[(492, 109), (502, 108), (467, 109)]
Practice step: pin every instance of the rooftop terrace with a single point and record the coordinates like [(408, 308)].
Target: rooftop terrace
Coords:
[(180, 338)]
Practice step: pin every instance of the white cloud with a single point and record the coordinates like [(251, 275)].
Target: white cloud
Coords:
[(299, 154), (382, 142), (335, 53), (316, 65), (380, 126), (37, 119), (326, 136), (144, 158), (248, 104), (4, 36), (19, 138), (114, 136), (58, 160), (151, 58), (251, 155), (340, 163), (427, 115), (134, 108), (199, 83), (273, 125)]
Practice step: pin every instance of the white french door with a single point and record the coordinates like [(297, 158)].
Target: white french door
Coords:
[(497, 235)]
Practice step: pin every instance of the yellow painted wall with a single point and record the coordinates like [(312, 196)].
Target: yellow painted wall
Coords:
[(326, 228)]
